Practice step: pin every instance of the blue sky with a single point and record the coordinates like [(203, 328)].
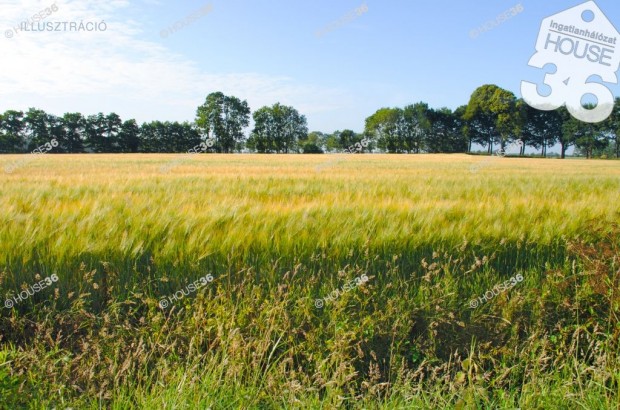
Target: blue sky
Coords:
[(394, 53)]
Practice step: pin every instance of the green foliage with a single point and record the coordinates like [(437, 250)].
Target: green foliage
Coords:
[(161, 136), (10, 395), (542, 129), (382, 126), (72, 129), (310, 148), (494, 116), (223, 118), (587, 137), (611, 128), (12, 132), (315, 138), (446, 132), (277, 129), (417, 128)]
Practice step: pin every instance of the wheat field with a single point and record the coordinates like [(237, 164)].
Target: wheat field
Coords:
[(285, 321)]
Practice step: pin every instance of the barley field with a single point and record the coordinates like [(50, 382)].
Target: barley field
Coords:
[(314, 281)]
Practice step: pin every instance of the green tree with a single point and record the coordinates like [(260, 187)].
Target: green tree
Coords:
[(587, 137), (414, 127), (223, 118), (312, 148), (567, 136), (12, 139), (71, 138), (95, 133), (494, 116), (38, 127), (147, 137), (612, 126), (383, 127), (160, 136), (479, 129), (331, 143), (542, 129), (277, 129), (315, 138), (129, 136), (446, 132), (346, 139), (112, 125)]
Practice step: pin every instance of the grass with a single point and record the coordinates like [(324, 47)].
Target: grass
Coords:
[(277, 232)]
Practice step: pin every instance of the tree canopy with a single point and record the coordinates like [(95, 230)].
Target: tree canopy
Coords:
[(492, 117)]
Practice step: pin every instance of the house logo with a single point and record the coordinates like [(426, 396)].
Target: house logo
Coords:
[(582, 44)]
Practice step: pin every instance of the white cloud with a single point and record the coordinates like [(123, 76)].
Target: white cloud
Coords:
[(118, 70)]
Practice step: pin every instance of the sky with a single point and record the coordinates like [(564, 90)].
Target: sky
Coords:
[(336, 62)]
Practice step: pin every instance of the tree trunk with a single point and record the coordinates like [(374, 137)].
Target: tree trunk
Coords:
[(563, 150)]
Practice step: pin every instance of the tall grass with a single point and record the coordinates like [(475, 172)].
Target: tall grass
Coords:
[(276, 235)]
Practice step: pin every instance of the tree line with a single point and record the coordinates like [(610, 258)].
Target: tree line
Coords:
[(493, 118)]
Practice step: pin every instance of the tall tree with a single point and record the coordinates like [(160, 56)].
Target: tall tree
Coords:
[(111, 132), (612, 126), (587, 137), (494, 113), (383, 127), (461, 125), (129, 136), (568, 135), (277, 129), (12, 126), (331, 143), (446, 133), (315, 139), (38, 126), (147, 138), (72, 135), (479, 129), (223, 118), (542, 129), (160, 134), (94, 131), (347, 139), (414, 127)]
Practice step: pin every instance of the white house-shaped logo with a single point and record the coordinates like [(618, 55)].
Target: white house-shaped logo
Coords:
[(581, 42)]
